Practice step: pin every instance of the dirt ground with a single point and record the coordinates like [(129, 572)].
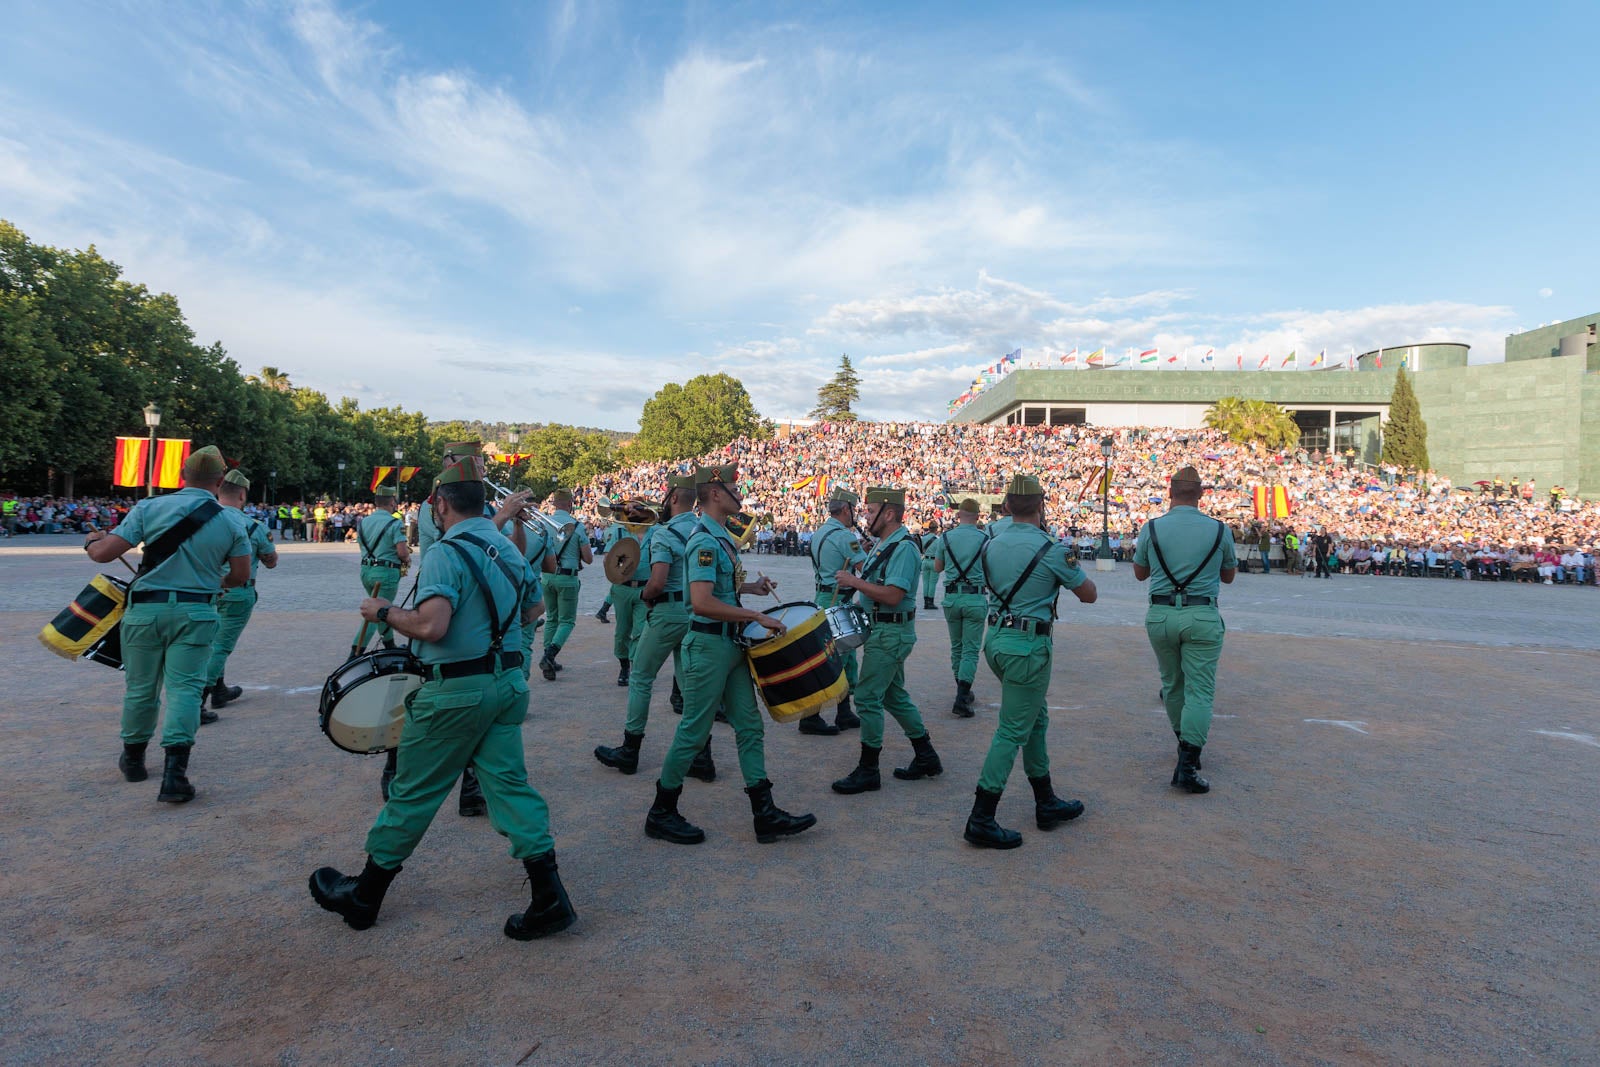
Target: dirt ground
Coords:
[(1397, 864)]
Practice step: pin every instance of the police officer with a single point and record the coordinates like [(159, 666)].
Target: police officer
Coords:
[(474, 593), (930, 539), (384, 554), (836, 546), (563, 561), (284, 529), (237, 604), (1025, 569), (171, 618), (625, 595), (888, 581), (715, 670), (959, 557), (1186, 555), (666, 624)]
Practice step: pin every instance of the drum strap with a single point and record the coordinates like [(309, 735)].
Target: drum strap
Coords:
[(166, 546), (498, 627), (366, 549), (879, 563), (817, 546), (1177, 586), (961, 572), (1004, 602)]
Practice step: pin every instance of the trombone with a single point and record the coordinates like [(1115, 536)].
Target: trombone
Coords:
[(529, 516)]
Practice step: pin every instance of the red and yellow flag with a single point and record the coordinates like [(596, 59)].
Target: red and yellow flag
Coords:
[(128, 464), (379, 476), (1271, 502), (407, 473), (170, 454)]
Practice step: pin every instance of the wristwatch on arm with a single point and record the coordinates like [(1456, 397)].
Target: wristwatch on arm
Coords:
[(383, 614)]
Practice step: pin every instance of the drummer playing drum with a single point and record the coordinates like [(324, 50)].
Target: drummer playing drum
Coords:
[(715, 671)]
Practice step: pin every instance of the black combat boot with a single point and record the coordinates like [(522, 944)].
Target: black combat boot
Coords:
[(703, 767), (1186, 775), (1197, 766), (665, 824), (547, 665), (847, 719), (207, 716), (625, 757), (962, 708), (472, 803), (389, 764), (604, 614), (816, 724), (982, 830), (549, 912), (864, 779), (924, 764), (1049, 810), (927, 602), (357, 899), (623, 674), (131, 762), (676, 700), (175, 787), (772, 822), (222, 693)]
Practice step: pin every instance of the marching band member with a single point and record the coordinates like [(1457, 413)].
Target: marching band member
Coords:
[(625, 596), (238, 603), (384, 554), (836, 546), (561, 584), (959, 557)]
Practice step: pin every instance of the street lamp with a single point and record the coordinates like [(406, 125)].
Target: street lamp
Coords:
[(272, 488), (513, 436), (341, 481), (1103, 560), (399, 454), (152, 419)]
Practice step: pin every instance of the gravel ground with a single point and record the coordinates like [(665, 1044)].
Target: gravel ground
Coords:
[(1397, 862)]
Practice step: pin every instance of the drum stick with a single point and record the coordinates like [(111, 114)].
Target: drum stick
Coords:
[(772, 589), (361, 639), (124, 561)]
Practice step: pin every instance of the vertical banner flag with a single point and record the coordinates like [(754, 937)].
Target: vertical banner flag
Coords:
[(379, 476), (127, 466), (170, 454), (1270, 502), (408, 473), (1238, 362), (1380, 359)]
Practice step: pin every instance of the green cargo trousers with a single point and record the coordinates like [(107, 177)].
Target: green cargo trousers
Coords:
[(448, 724), (528, 632), (165, 645), (630, 620), (233, 614), (386, 580), (664, 630), (827, 598), (560, 608), (964, 614), (1022, 663), (1188, 643), (714, 671), (881, 685)]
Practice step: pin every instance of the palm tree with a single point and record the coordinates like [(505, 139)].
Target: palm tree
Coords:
[(1253, 422), (272, 378)]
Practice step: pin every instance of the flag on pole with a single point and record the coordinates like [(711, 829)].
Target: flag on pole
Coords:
[(822, 487), (1263, 364), (1238, 362), (408, 473), (170, 454), (1287, 359), (1270, 502), (1380, 359), (379, 476), (1149, 355), (1070, 357), (127, 466), (1172, 358), (1321, 357), (1012, 357), (1097, 358), (1209, 357)]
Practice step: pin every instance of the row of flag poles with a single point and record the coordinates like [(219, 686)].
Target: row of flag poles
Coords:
[(130, 466)]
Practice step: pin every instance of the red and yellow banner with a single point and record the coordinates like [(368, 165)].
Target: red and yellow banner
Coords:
[(128, 465), (170, 454), (1271, 502), (381, 475)]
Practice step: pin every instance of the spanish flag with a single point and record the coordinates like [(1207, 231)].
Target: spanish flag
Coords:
[(1271, 502), (379, 476), (822, 486), (170, 454), (128, 465)]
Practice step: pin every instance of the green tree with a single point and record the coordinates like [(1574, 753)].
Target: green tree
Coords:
[(1253, 422), (835, 398), (692, 419), (1405, 435)]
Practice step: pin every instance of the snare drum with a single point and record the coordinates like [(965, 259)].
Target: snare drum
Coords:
[(364, 702), (849, 626), (92, 622), (799, 671)]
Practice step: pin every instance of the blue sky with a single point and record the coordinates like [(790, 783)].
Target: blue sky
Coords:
[(545, 212)]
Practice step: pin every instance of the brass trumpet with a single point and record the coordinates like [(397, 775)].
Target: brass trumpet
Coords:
[(635, 515), (529, 516)]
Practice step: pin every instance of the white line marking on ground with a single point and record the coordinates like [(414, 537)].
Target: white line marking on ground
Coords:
[(1582, 739), (1358, 726), (281, 689)]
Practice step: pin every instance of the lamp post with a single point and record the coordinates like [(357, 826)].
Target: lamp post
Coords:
[(341, 481), (272, 488), (1103, 560), (152, 419), (399, 454), (513, 437)]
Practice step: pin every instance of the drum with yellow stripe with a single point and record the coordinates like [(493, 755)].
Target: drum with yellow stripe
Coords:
[(83, 623), (799, 671)]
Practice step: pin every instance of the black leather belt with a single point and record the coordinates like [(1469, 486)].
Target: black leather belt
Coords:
[(632, 585), (896, 616), (671, 598), (379, 563), (721, 629), (1182, 600), (568, 571), (826, 588), (463, 668), (1037, 627), (154, 596), (962, 587)]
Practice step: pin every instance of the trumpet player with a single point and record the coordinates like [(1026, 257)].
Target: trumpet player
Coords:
[(633, 522), (562, 562)]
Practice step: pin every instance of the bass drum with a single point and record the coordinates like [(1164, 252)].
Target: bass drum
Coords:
[(801, 670), (363, 703)]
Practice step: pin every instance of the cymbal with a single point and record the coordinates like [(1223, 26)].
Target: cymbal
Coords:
[(621, 561)]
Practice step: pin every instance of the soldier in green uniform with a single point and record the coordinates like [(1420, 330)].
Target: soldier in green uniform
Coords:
[(888, 580), (1026, 569), (666, 624), (625, 596), (1187, 556), (930, 539), (715, 670), (427, 529), (563, 561), (171, 618), (836, 546), (959, 557), (603, 509), (384, 554), (237, 604), (533, 540), (474, 592)]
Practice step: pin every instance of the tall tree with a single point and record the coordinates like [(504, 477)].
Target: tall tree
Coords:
[(1405, 435), (1253, 422), (692, 419), (835, 398)]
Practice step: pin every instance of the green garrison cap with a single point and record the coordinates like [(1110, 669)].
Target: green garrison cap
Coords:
[(458, 449), (236, 477), (386, 491), (680, 481), (886, 494), (969, 505), (727, 474), (463, 471), (843, 496), (1187, 477), (204, 463), (1024, 485)]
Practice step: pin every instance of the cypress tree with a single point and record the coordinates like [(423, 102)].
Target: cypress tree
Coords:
[(1405, 435)]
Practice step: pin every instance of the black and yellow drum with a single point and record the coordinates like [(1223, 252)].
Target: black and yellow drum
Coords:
[(800, 671), (93, 620)]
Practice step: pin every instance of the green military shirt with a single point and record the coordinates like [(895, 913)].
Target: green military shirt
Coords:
[(897, 562), (255, 533), (997, 526), (379, 534), (196, 565), (427, 529), (960, 549), (1186, 535), (1006, 557), (535, 543), (712, 557), (444, 573), (568, 557), (641, 572), (669, 544), (834, 547)]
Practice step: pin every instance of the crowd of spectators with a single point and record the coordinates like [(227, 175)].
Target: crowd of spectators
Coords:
[(50, 515)]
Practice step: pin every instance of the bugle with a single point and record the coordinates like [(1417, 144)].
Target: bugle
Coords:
[(529, 516)]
